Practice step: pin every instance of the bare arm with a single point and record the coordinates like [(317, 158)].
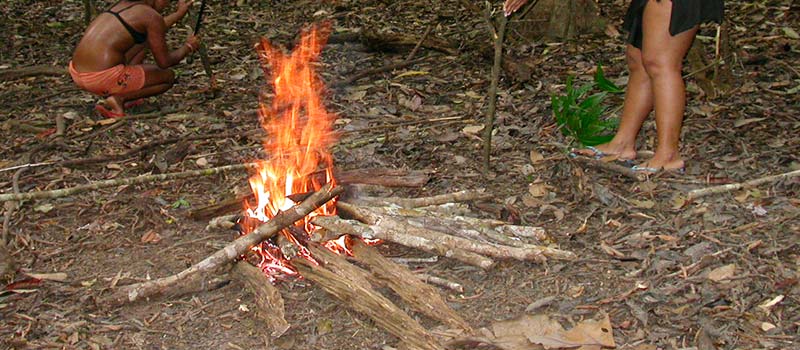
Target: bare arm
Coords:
[(156, 39), (183, 8)]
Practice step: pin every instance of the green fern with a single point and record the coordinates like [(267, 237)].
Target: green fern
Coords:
[(581, 117)]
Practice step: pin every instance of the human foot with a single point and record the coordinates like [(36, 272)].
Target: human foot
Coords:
[(653, 167), (107, 113), (606, 151)]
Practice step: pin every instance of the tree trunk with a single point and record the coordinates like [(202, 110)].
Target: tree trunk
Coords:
[(559, 20)]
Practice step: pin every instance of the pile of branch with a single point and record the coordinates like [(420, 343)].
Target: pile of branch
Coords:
[(470, 240)]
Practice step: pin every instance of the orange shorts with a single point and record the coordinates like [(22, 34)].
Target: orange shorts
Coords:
[(116, 80)]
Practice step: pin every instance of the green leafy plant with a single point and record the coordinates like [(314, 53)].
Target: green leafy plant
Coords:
[(581, 117)]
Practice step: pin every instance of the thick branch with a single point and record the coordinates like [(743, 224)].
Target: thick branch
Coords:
[(222, 257), (32, 71), (694, 194), (359, 295), (461, 196), (420, 296), (355, 228), (268, 298)]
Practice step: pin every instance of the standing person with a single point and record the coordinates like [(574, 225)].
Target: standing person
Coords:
[(108, 59), (660, 34)]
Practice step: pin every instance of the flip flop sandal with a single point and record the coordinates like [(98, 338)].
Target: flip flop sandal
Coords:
[(105, 112), (652, 171), (596, 153)]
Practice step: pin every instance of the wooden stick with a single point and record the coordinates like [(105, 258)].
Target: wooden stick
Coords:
[(268, 298), (120, 182), (355, 228), (379, 176), (32, 71), (498, 36), (350, 287), (386, 68), (441, 282), (694, 194), (461, 196), (420, 296), (386, 223), (609, 166), (231, 252)]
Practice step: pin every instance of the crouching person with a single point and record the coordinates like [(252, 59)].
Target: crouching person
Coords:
[(108, 59)]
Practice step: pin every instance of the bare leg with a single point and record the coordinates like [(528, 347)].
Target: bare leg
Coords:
[(156, 82), (662, 55), (637, 106)]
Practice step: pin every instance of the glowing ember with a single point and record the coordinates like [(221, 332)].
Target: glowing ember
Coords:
[(299, 134)]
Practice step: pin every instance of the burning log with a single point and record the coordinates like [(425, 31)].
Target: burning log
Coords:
[(268, 299), (348, 283), (382, 223), (356, 228), (231, 252), (380, 177), (419, 295)]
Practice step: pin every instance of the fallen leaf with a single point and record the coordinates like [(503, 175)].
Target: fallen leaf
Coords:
[(151, 237), (770, 303), (645, 204), (114, 166), (743, 122), (44, 208), (722, 273), (766, 326), (472, 129), (536, 157), (537, 189), (791, 33), (201, 161), (58, 276), (611, 250)]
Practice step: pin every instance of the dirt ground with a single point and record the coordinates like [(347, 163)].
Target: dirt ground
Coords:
[(720, 272)]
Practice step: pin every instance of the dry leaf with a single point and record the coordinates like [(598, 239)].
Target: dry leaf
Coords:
[(151, 237), (611, 250), (536, 157), (58, 276), (537, 189), (743, 122), (588, 332), (645, 204), (722, 273), (472, 129), (201, 161), (791, 33)]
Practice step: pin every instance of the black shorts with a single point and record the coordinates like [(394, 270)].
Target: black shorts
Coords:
[(686, 14)]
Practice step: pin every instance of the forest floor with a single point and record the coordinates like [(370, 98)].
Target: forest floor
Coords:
[(719, 272)]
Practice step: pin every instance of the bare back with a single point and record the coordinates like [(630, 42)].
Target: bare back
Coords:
[(106, 40)]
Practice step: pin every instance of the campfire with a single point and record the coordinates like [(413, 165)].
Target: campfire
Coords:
[(299, 133), (291, 225)]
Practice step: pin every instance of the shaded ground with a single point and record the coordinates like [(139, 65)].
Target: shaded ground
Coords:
[(644, 259)]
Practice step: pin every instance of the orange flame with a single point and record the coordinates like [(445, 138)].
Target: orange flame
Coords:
[(299, 135)]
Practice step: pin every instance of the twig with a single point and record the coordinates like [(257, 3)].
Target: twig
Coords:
[(119, 182), (460, 196), (224, 256), (386, 68), (609, 166), (694, 194), (488, 126), (441, 282), (419, 43)]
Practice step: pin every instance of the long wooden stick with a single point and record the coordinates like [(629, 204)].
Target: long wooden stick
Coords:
[(460, 196), (694, 194), (224, 256), (356, 228), (120, 182)]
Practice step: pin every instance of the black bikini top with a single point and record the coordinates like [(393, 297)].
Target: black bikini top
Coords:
[(138, 37)]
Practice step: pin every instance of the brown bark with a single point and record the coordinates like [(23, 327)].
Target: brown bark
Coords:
[(171, 285), (268, 298), (420, 296), (352, 290), (461, 196)]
